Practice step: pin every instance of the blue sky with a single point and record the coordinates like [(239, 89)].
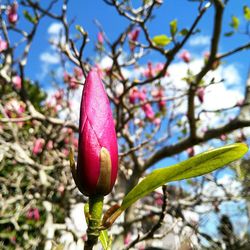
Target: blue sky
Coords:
[(85, 12)]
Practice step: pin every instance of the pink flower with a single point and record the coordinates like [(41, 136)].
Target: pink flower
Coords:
[(100, 38), (97, 163), (17, 82), (185, 56), (190, 152), (12, 13), (38, 146), (201, 94), (3, 45)]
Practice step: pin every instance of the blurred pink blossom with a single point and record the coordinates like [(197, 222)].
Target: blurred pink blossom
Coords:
[(147, 108), (38, 146), (17, 82), (78, 73), (157, 121), (142, 95), (201, 94), (158, 94), (240, 103), (65, 151), (223, 137), (3, 45), (33, 214), (154, 70), (71, 81), (49, 145), (190, 152), (149, 71), (59, 95), (185, 56), (133, 95), (12, 13), (14, 107), (127, 239)]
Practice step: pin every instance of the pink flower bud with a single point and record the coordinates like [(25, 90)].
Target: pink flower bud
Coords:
[(36, 214), (97, 163), (147, 108), (33, 214), (3, 45), (185, 56), (12, 13), (201, 94), (133, 36), (149, 71), (100, 38)]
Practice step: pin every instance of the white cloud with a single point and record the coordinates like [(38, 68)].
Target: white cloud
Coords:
[(231, 74), (217, 96), (50, 58), (55, 29), (200, 40)]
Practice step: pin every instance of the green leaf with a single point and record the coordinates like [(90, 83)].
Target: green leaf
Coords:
[(29, 17), (80, 29), (235, 22), (161, 40), (198, 165), (183, 32), (230, 33), (173, 27), (105, 240), (246, 11)]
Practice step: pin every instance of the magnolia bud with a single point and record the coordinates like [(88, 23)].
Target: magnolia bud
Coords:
[(97, 163)]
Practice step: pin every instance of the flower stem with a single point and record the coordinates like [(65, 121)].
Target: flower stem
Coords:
[(95, 215)]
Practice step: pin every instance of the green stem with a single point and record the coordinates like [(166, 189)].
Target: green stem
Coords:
[(95, 215)]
